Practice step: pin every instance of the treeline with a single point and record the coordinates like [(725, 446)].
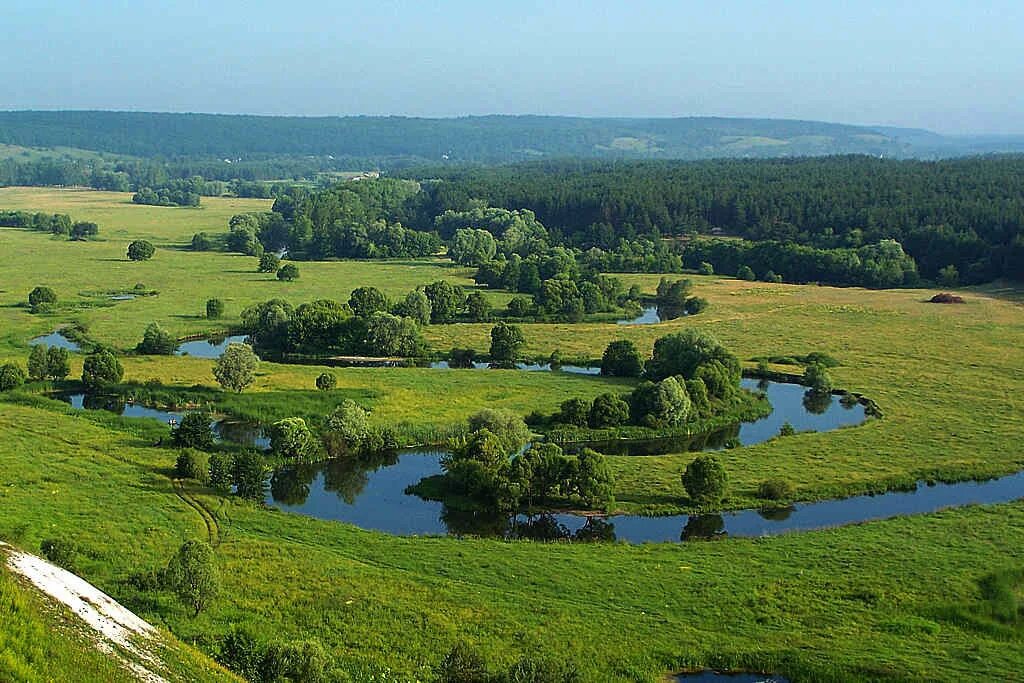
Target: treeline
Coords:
[(56, 224), (968, 213)]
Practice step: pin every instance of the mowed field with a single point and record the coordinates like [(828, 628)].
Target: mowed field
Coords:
[(893, 600)]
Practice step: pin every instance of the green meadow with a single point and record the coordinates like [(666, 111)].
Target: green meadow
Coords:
[(855, 603)]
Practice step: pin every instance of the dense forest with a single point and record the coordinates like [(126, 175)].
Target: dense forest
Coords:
[(966, 213), (480, 139)]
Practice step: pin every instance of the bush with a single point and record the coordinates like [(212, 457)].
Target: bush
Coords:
[(288, 272), (42, 299), (775, 489), (269, 263), (346, 429), (462, 664), (705, 480), (141, 250), (101, 369), (37, 367), (156, 341), (193, 432), (202, 242), (291, 438), (236, 368), (192, 464), (520, 307), (326, 381), (574, 411), (62, 553), (249, 474), (695, 305), (705, 268), (214, 309), (219, 472), (608, 410), (817, 378), (461, 358), (622, 359), (745, 273), (786, 430)]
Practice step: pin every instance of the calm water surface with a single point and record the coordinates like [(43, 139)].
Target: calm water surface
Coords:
[(56, 339)]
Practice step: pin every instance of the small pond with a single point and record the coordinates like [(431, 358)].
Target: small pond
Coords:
[(209, 348), (245, 433), (648, 317), (55, 339)]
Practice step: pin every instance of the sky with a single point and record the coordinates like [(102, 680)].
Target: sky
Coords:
[(948, 66)]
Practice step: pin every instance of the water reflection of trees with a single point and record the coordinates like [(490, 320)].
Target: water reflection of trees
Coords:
[(541, 527), (776, 514), (703, 528), (346, 477), (722, 438), (113, 404), (817, 402)]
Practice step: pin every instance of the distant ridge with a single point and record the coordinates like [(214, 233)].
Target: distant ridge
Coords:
[(474, 139)]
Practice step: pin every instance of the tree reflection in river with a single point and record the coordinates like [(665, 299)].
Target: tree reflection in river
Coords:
[(817, 402), (346, 477), (703, 528)]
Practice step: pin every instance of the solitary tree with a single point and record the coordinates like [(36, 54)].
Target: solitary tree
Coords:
[(249, 475), (817, 378), (220, 467), (37, 365), (42, 299), (478, 308), (236, 368), (326, 381), (101, 369), (192, 574), (346, 429), (11, 376), (58, 363), (506, 340), (288, 272), (141, 250), (291, 438), (193, 431), (214, 308), (157, 341), (269, 262), (705, 480)]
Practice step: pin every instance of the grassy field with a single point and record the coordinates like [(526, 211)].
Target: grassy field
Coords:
[(893, 600)]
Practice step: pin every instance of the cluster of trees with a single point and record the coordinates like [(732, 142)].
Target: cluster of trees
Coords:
[(156, 341), (490, 466), (56, 224), (279, 660), (642, 255), (881, 265), (177, 192), (968, 213), (674, 299), (245, 473), (11, 376), (51, 362), (689, 376)]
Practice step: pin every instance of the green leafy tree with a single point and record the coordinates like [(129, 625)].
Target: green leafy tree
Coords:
[(58, 363), (446, 300), (83, 230), (236, 368), (326, 381), (42, 299), (214, 309), (220, 472), (683, 353), (202, 242), (574, 411), (390, 335), (365, 301), (622, 359), (506, 425), (346, 430), (141, 250), (520, 307), (608, 410), (291, 438), (11, 376), (192, 574), (594, 481), (38, 368), (745, 273), (665, 404), (269, 263), (506, 341), (248, 471), (416, 306), (471, 247), (193, 431), (192, 464), (101, 369), (817, 378), (705, 268), (157, 341), (705, 480), (478, 307), (288, 272)]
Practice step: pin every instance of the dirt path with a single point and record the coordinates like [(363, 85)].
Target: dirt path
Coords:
[(113, 626), (212, 528)]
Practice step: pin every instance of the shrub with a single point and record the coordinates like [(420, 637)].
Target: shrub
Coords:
[(288, 272), (461, 358), (462, 664), (291, 438), (622, 359), (745, 273), (326, 381), (695, 305), (101, 369), (37, 367), (157, 341), (141, 250), (946, 298), (84, 230), (214, 308), (775, 489), (520, 307), (705, 480), (58, 363), (507, 426), (365, 301), (346, 429), (478, 308), (61, 552), (705, 268), (193, 431), (269, 263), (786, 429), (192, 464), (608, 410), (249, 474), (42, 299)]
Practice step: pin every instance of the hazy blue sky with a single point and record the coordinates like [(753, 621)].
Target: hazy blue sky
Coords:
[(952, 66)]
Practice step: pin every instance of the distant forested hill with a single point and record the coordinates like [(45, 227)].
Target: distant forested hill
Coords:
[(485, 139)]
